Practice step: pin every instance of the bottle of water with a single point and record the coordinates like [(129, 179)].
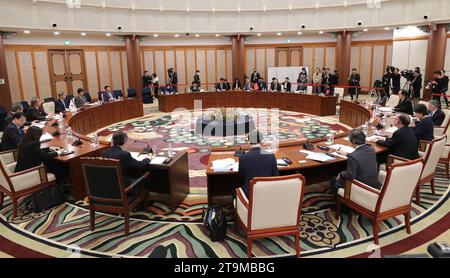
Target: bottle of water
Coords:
[(69, 132), (366, 128), (330, 138), (94, 140), (170, 150)]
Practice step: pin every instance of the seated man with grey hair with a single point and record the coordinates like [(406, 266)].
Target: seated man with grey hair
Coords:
[(15, 108), (436, 114), (35, 113), (60, 103), (361, 164)]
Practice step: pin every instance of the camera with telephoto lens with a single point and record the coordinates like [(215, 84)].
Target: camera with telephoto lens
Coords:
[(390, 69), (408, 74)]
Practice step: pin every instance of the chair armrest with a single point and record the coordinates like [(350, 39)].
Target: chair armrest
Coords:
[(446, 153), (350, 183), (382, 177), (240, 195), (136, 182), (423, 145), (438, 131), (37, 168), (393, 159)]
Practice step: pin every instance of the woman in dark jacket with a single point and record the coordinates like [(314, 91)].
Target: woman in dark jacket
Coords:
[(31, 155)]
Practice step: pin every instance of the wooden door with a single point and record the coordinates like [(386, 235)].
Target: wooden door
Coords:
[(295, 57), (282, 57), (67, 71)]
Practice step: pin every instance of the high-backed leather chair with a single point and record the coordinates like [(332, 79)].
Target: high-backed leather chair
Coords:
[(393, 101), (107, 191), (272, 209), (394, 197)]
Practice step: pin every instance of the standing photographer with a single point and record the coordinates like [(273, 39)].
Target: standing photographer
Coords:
[(444, 83), (436, 86), (396, 81), (386, 80), (354, 83), (416, 84), (173, 79)]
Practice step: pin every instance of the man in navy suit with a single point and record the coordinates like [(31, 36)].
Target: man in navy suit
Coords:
[(361, 164), (60, 104), (13, 133), (256, 162), (403, 142), (131, 168), (424, 128), (107, 94), (436, 114)]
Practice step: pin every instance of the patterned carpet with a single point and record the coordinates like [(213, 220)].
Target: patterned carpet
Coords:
[(180, 234)]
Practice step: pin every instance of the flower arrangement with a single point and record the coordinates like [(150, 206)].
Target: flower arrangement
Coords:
[(230, 114)]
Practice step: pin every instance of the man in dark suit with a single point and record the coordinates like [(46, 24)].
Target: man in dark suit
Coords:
[(13, 133), (361, 164), (436, 114), (146, 79), (436, 86), (80, 100), (15, 108), (255, 76), (403, 142), (275, 86), (221, 86), (405, 104), (197, 77), (227, 83), (131, 168), (60, 103), (395, 77), (444, 87), (35, 113), (287, 85), (256, 162), (173, 79), (107, 94), (354, 81), (424, 127), (262, 86)]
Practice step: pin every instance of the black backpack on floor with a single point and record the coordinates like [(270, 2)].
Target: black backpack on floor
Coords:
[(48, 197), (215, 223)]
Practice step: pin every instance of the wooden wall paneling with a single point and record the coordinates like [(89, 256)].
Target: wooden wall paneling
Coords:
[(221, 65), (116, 69), (270, 61), (359, 58), (330, 56), (103, 68), (125, 71), (35, 79), (313, 64), (229, 62), (169, 62), (216, 66), (97, 67), (226, 64), (365, 65), (124, 91), (181, 68), (354, 57), (378, 63), (307, 59), (159, 69), (111, 80), (201, 65), (384, 58), (250, 61), (282, 57), (190, 65), (19, 75), (265, 63), (211, 64), (143, 60), (93, 85), (296, 57), (154, 61), (319, 58), (12, 76), (260, 61), (42, 73), (389, 51), (206, 70), (148, 59), (165, 67)]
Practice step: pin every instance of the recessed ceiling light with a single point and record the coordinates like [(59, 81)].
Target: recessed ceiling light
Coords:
[(321, 32), (217, 35), (259, 34), (288, 41), (155, 35), (279, 34), (299, 33), (108, 34), (176, 35), (56, 33), (197, 35), (387, 28), (27, 31), (83, 34), (365, 30)]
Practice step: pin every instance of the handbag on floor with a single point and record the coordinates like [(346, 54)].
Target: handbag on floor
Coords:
[(47, 198), (215, 223)]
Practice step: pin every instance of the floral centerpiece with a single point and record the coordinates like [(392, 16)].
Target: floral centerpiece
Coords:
[(225, 114)]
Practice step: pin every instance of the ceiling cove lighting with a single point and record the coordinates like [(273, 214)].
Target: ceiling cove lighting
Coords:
[(83, 34), (299, 33), (176, 35), (321, 32), (56, 33), (279, 34), (27, 31), (387, 28), (259, 34), (365, 30), (197, 35), (217, 35), (108, 34), (155, 35)]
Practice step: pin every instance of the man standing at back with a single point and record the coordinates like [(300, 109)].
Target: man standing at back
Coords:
[(256, 162)]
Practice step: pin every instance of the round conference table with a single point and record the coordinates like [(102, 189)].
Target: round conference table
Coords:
[(96, 116)]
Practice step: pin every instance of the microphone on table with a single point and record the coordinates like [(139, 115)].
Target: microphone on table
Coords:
[(56, 133), (147, 149), (239, 152)]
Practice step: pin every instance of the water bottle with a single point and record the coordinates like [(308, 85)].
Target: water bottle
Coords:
[(69, 132), (94, 140), (366, 128), (60, 121), (330, 138), (170, 150)]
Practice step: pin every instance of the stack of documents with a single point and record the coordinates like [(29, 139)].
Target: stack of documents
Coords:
[(45, 137), (281, 162), (225, 165), (139, 156), (342, 148), (158, 160), (385, 109), (321, 157)]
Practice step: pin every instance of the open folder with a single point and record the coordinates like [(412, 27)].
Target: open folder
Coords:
[(321, 157), (225, 165)]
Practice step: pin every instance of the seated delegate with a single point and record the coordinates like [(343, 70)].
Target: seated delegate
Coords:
[(423, 128), (405, 104), (13, 133), (436, 114), (35, 113)]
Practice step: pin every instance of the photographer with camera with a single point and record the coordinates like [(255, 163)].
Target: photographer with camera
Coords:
[(444, 86), (436, 86), (395, 81), (386, 80), (415, 85), (354, 81)]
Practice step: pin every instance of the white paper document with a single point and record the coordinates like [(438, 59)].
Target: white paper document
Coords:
[(281, 163), (45, 137), (158, 160), (342, 148), (321, 157), (139, 156), (385, 109), (225, 165), (38, 124)]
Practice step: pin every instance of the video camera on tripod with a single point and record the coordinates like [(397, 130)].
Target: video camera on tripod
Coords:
[(407, 74)]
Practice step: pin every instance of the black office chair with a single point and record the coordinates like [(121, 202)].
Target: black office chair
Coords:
[(49, 99), (117, 93), (147, 96), (99, 95), (25, 105), (106, 189), (68, 100), (131, 92), (87, 96)]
